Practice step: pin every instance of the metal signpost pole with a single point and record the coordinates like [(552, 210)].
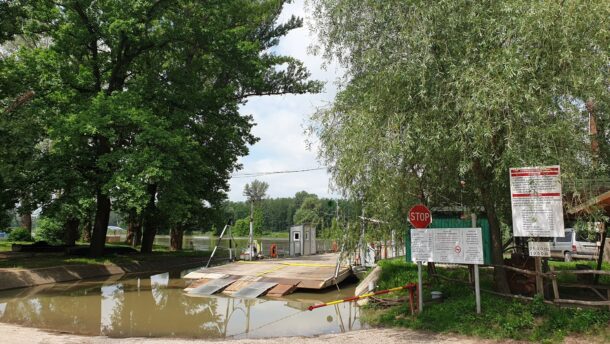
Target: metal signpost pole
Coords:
[(420, 217), (420, 288), (477, 286)]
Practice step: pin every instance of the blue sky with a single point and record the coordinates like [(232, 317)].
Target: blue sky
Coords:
[(281, 122)]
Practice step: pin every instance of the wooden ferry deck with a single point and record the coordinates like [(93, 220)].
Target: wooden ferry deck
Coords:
[(277, 277)]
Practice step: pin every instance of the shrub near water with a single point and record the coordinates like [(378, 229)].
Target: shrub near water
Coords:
[(19, 234), (501, 318), (50, 230)]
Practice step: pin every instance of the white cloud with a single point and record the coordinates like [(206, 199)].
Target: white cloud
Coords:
[(281, 121)]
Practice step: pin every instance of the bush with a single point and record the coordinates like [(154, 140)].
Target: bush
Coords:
[(50, 230), (241, 227), (20, 234)]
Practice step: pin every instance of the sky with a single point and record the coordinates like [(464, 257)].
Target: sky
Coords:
[(281, 122)]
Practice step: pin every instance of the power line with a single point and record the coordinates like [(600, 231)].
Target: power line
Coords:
[(259, 174)]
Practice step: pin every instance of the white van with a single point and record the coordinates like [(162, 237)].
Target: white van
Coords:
[(575, 245)]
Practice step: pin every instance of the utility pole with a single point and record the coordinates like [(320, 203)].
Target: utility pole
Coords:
[(250, 240)]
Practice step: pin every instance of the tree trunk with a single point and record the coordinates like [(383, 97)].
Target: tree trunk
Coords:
[(134, 229), (150, 221), (87, 231), (137, 233), (130, 234), (71, 233), (100, 227), (134, 233), (176, 236), (483, 179), (148, 236), (26, 221)]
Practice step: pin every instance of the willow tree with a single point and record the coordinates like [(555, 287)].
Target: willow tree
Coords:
[(436, 93)]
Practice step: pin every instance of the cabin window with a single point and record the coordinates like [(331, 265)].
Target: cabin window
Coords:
[(296, 236)]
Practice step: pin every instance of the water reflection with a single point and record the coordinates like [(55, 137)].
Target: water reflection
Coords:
[(155, 306)]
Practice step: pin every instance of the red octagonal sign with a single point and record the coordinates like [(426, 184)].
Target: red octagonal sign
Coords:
[(420, 216)]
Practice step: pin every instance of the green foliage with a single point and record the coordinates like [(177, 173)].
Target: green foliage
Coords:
[(279, 213), (448, 91), (241, 227), (50, 230), (134, 101), (500, 319), (20, 234), (309, 212), (257, 225), (6, 219), (256, 190)]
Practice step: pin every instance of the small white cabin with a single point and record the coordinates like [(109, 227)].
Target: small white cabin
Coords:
[(302, 240)]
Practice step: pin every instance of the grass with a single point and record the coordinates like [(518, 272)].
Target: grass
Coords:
[(571, 278), (42, 260), (501, 318), (6, 246), (275, 235)]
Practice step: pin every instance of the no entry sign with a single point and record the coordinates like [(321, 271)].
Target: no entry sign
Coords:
[(420, 216)]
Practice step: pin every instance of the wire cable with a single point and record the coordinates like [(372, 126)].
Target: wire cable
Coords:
[(259, 174)]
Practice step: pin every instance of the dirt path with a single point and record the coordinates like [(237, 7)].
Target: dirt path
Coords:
[(25, 335)]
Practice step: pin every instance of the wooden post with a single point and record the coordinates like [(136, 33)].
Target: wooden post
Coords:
[(600, 259), (554, 282), (539, 280)]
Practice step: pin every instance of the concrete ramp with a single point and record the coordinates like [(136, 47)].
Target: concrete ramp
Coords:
[(212, 287), (254, 290)]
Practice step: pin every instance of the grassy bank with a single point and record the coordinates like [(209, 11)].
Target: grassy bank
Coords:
[(42, 260), (501, 318)]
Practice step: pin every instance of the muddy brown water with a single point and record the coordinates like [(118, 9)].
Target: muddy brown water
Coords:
[(156, 306)]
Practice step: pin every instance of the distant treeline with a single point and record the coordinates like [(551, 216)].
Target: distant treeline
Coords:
[(279, 214)]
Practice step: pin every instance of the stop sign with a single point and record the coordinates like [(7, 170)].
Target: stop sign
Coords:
[(420, 216)]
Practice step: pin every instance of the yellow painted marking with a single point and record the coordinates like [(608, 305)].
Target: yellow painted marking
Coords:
[(279, 267), (310, 265), (313, 265)]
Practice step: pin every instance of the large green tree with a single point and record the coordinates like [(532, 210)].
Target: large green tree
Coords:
[(139, 100), (442, 92), (309, 212)]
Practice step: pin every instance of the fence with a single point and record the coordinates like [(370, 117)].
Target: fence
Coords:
[(552, 276), (206, 243)]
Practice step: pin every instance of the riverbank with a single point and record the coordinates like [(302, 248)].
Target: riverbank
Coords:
[(25, 335), (11, 278)]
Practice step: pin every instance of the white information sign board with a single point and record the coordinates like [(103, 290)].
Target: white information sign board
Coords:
[(539, 249), (536, 201), (421, 244), (447, 245)]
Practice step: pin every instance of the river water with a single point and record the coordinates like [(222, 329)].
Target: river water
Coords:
[(156, 306)]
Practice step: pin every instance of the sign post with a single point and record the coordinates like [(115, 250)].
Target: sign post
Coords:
[(451, 246), (420, 217), (539, 249), (536, 202), (420, 288), (477, 286)]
